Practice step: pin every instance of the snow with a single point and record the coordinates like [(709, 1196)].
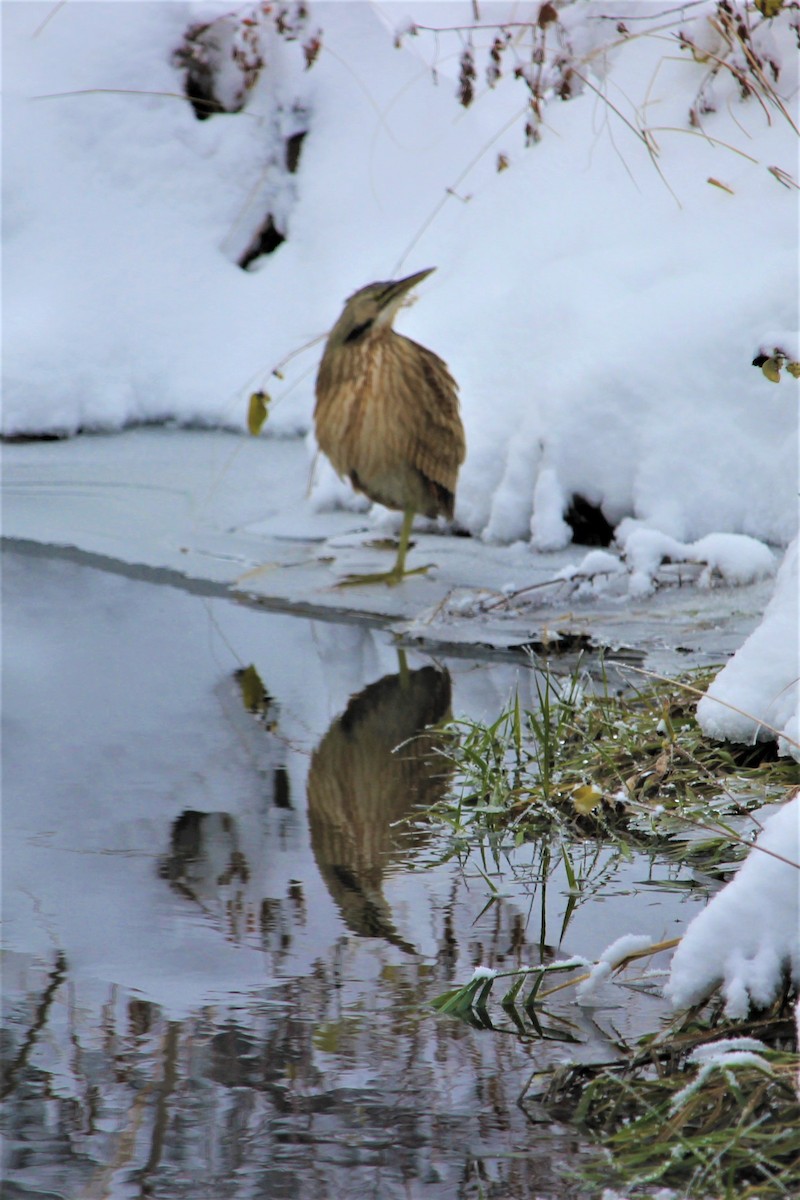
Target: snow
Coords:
[(749, 934), (590, 306), (756, 694), (587, 297), (549, 530), (609, 960), (731, 557), (783, 342)]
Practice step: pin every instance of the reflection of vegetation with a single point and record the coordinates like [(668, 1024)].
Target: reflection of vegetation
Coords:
[(314, 1088), (12, 1070), (255, 696), (195, 837), (372, 769)]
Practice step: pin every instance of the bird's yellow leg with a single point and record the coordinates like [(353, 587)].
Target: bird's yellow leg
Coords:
[(399, 568), (398, 571)]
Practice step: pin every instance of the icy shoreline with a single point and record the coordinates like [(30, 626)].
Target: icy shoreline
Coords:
[(230, 513)]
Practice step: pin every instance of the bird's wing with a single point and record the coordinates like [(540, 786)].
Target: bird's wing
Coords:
[(427, 418)]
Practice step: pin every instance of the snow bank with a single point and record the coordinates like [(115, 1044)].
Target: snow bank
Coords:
[(593, 306), (750, 932), (757, 693)]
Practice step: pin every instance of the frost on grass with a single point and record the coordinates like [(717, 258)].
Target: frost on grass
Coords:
[(721, 1056), (748, 938), (758, 691)]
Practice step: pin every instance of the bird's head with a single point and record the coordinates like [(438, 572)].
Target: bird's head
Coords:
[(371, 307)]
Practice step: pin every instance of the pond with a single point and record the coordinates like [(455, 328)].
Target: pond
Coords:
[(224, 920)]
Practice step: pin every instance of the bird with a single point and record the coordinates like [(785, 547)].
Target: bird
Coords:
[(387, 414), (380, 762)]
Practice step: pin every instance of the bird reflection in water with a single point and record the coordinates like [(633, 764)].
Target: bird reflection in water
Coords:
[(377, 764)]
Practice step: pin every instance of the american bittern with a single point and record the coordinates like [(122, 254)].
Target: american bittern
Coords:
[(372, 770), (387, 414)]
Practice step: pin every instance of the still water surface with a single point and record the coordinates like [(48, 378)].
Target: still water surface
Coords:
[(223, 922)]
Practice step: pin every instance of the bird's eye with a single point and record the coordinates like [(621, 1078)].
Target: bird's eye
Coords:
[(358, 331)]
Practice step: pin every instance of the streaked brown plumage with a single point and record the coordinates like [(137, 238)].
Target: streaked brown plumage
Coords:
[(387, 413), (378, 763)]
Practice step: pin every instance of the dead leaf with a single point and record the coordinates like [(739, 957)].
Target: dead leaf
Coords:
[(661, 765)]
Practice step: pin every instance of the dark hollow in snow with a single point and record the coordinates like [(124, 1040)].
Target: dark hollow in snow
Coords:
[(589, 526)]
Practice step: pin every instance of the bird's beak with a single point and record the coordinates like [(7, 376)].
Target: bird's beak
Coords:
[(394, 291)]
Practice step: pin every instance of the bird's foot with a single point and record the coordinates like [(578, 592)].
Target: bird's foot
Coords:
[(389, 578)]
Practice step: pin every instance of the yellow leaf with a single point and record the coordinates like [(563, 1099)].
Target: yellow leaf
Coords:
[(586, 798), (771, 370), (769, 8), (718, 183), (794, 369), (253, 690), (257, 412)]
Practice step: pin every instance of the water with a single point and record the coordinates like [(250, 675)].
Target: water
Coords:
[(224, 921)]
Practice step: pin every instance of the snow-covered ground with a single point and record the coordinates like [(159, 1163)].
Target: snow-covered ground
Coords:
[(599, 302)]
